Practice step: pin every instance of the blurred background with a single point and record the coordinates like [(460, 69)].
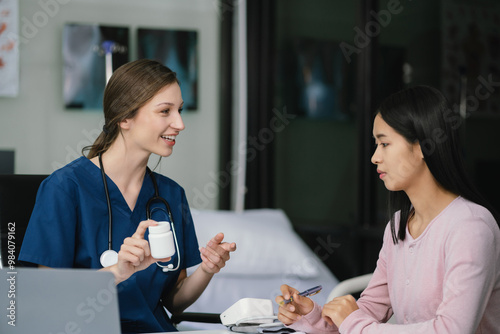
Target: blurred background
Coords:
[(308, 76)]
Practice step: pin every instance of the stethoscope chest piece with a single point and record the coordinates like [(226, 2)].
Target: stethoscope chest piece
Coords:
[(109, 258)]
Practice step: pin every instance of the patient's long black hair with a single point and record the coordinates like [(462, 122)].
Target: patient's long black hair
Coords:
[(423, 115)]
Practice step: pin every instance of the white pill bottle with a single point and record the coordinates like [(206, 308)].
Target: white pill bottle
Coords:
[(161, 240)]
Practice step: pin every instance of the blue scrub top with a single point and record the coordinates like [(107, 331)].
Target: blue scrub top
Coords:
[(69, 229)]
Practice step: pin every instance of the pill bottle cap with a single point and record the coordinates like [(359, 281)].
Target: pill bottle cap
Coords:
[(162, 227)]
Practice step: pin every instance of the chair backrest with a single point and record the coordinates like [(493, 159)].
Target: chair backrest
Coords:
[(350, 286), (17, 199)]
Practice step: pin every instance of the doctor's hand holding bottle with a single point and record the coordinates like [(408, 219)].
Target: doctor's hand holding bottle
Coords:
[(134, 254)]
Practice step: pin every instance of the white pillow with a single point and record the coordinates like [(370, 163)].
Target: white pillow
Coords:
[(266, 243)]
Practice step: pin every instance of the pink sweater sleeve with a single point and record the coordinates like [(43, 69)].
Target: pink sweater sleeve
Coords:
[(375, 303)]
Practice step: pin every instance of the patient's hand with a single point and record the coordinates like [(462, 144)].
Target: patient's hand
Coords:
[(216, 254), (293, 311), (338, 309)]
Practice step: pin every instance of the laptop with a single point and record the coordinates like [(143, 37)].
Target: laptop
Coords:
[(57, 301)]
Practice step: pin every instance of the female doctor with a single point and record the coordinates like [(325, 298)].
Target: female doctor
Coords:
[(69, 224), (438, 270)]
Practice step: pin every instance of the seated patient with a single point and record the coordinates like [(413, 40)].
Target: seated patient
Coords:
[(439, 267), (69, 226)]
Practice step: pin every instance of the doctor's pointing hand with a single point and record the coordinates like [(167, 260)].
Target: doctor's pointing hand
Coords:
[(215, 254)]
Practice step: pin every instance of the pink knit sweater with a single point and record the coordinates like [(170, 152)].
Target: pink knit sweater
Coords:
[(445, 281)]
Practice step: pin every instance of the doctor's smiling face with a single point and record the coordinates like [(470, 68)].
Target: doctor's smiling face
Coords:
[(400, 164), (155, 127), (142, 104)]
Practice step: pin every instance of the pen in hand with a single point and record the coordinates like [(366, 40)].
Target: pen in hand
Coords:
[(308, 292)]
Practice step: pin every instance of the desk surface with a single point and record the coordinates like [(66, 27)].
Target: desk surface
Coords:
[(210, 331)]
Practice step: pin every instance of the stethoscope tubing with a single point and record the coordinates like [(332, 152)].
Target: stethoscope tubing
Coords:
[(106, 191), (156, 197)]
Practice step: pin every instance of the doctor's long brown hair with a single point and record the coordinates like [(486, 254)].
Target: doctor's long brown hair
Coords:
[(130, 87)]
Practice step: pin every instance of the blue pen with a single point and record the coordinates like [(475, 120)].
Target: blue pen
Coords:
[(308, 292)]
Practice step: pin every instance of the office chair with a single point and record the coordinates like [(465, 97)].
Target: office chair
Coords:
[(207, 318), (17, 199), (350, 286)]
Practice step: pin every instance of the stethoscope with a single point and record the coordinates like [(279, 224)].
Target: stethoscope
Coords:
[(110, 257)]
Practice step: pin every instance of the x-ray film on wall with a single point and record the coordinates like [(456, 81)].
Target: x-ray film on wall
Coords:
[(176, 49), (91, 53)]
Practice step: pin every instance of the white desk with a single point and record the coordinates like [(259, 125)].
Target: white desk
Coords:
[(210, 331)]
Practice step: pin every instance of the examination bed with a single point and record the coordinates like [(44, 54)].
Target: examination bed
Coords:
[(269, 253)]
